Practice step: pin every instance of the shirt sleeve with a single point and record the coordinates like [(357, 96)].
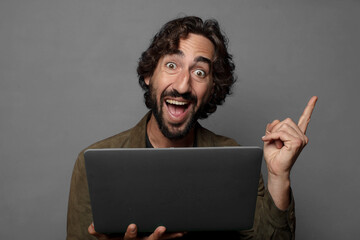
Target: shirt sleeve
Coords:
[(79, 216), (270, 222)]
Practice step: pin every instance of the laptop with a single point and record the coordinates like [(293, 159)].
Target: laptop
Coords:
[(183, 189)]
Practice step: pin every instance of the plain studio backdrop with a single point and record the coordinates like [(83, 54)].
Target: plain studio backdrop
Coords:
[(68, 78)]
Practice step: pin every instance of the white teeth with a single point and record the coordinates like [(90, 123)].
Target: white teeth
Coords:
[(175, 102)]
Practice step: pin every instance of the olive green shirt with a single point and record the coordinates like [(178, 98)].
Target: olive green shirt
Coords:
[(269, 223)]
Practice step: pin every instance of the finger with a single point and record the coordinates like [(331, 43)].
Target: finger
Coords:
[(278, 144), (131, 232), (157, 234), (91, 230), (287, 124), (172, 235), (282, 126), (280, 135), (305, 117), (269, 128), (291, 143)]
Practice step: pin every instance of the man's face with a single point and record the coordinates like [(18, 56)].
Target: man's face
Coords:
[(181, 85)]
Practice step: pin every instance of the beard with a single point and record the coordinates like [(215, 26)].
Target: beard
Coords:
[(173, 131)]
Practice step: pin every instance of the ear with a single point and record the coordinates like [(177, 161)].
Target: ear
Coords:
[(147, 80)]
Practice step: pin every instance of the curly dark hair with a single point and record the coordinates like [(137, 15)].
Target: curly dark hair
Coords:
[(166, 41)]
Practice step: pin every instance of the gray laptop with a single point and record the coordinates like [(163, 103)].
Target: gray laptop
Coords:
[(183, 189)]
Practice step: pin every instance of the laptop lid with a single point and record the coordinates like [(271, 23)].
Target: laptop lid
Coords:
[(183, 189)]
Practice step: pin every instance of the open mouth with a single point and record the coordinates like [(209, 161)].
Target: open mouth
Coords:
[(177, 108)]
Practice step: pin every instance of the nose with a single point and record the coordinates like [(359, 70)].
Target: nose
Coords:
[(182, 84)]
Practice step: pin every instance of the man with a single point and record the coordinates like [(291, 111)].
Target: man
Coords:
[(186, 72)]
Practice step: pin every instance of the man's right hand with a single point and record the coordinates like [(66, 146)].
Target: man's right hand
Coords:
[(131, 234)]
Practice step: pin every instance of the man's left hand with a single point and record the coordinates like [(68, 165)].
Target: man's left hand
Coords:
[(283, 142)]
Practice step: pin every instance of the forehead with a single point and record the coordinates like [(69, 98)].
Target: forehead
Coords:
[(197, 45)]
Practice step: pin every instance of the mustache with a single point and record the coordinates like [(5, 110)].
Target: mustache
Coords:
[(186, 96)]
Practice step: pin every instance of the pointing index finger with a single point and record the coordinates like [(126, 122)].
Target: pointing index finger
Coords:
[(305, 117)]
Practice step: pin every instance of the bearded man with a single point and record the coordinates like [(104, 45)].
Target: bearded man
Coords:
[(186, 73)]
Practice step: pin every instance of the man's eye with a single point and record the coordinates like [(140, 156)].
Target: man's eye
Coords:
[(171, 65), (200, 73)]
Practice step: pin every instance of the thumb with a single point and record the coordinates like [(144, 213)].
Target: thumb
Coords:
[(278, 143), (91, 230)]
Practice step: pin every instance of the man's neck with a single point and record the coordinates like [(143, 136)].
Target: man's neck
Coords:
[(158, 140)]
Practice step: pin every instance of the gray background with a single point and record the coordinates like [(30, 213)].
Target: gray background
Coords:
[(68, 78)]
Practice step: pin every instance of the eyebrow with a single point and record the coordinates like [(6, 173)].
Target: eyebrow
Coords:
[(197, 59), (203, 59)]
